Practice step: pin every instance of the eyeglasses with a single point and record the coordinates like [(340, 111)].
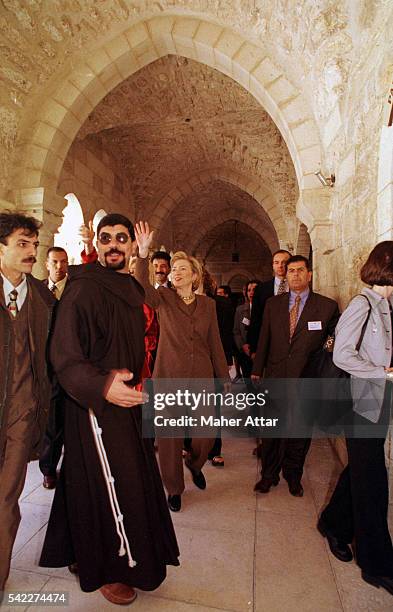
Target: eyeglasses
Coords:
[(121, 237)]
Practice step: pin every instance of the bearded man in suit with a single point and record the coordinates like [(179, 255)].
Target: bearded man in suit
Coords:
[(295, 325)]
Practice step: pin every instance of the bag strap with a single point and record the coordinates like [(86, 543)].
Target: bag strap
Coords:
[(359, 344)]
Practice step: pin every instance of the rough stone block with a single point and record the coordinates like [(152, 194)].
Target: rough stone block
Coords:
[(98, 60), (332, 127), (310, 158), (229, 43), (94, 92), (54, 112), (43, 134), (281, 90), (67, 94), (305, 135), (249, 56), (82, 108), (207, 34), (117, 47), (161, 27), (137, 34), (82, 76), (184, 30), (266, 72), (127, 64), (241, 75), (296, 111)]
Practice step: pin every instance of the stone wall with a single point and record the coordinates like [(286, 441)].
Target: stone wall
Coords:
[(93, 176)]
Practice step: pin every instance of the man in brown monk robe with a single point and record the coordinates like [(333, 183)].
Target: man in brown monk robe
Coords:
[(109, 513), (25, 312)]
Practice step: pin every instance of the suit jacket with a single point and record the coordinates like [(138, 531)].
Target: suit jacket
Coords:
[(262, 293), (40, 306), (281, 358), (366, 365), (225, 317), (240, 329), (190, 344)]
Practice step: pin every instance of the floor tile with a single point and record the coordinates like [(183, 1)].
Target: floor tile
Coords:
[(292, 569)]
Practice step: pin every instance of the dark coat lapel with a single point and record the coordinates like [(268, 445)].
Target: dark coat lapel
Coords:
[(283, 313)]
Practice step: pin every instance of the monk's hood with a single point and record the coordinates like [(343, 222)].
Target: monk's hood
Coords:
[(123, 286)]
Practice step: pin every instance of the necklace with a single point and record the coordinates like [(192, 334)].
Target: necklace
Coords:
[(187, 298)]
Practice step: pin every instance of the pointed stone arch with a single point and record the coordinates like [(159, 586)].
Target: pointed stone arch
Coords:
[(250, 185), (44, 145)]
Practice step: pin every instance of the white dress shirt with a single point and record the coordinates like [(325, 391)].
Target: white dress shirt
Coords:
[(21, 289), (59, 287)]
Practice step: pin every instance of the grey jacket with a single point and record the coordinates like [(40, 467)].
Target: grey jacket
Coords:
[(366, 366)]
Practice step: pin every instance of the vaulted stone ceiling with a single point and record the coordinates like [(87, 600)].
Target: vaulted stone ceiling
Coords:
[(177, 116), (215, 201)]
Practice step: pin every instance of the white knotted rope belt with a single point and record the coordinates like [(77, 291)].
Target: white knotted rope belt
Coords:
[(109, 481)]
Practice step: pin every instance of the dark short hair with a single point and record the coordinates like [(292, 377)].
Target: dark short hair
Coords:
[(253, 281), (55, 249), (116, 219), (295, 258), (378, 269), (281, 251), (227, 290), (12, 221), (161, 255)]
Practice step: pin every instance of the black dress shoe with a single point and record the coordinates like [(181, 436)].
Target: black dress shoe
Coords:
[(197, 477), (73, 568), (295, 488), (338, 548), (49, 482), (386, 582), (174, 502), (264, 485)]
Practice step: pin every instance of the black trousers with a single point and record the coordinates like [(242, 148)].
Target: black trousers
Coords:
[(53, 439), (359, 505), (286, 454)]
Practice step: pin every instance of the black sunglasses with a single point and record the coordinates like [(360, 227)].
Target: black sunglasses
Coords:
[(121, 237)]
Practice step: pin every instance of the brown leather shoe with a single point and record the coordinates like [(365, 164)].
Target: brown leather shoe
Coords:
[(49, 482), (118, 593)]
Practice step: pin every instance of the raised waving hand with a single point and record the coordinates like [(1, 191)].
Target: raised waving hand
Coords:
[(144, 238)]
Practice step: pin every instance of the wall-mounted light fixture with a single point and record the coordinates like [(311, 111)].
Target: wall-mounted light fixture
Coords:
[(327, 181)]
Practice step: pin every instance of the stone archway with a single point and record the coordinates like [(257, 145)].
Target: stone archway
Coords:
[(248, 184), (45, 146)]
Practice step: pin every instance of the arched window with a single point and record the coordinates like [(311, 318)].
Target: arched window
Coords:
[(67, 236)]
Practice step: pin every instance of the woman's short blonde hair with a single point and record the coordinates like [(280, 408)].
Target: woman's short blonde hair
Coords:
[(195, 266)]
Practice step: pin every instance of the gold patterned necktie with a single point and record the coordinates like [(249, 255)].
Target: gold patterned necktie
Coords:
[(293, 315), (282, 287), (12, 304)]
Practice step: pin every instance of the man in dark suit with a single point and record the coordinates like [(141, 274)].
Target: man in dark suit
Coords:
[(294, 326), (263, 292), (57, 266)]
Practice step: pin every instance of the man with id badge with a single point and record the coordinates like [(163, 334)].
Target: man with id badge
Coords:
[(295, 325)]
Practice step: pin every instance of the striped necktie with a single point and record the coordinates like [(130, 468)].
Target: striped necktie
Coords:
[(53, 290), (12, 304), (293, 315)]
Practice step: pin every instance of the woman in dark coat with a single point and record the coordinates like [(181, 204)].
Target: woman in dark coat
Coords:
[(189, 348)]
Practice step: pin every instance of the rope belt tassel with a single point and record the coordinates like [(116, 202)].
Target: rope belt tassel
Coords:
[(109, 481)]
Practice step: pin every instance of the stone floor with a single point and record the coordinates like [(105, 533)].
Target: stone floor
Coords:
[(239, 552)]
